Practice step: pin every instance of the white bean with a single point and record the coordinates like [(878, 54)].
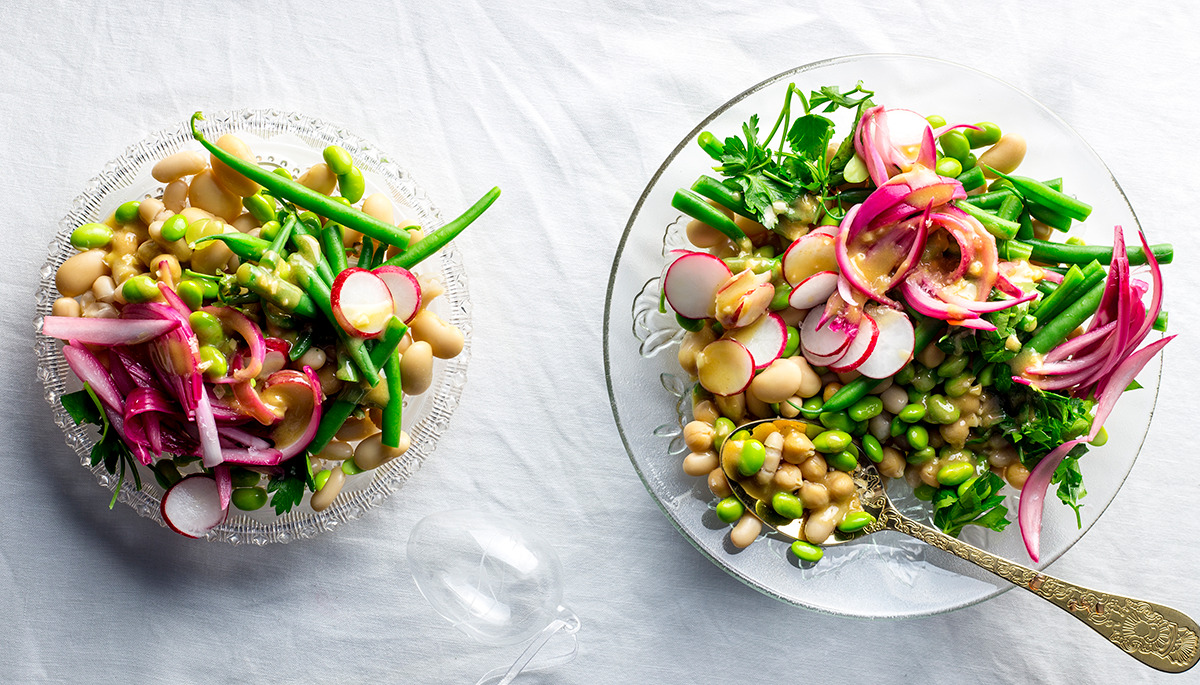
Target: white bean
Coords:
[(178, 165), (333, 487), (746, 531)]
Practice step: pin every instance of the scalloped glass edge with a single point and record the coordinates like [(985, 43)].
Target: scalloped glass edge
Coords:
[(723, 564), (118, 174)]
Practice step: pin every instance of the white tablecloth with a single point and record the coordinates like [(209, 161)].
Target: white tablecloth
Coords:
[(569, 107)]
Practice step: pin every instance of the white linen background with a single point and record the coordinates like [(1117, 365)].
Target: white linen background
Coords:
[(569, 107)]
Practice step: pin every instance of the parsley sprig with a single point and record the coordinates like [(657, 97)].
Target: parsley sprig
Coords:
[(979, 504), (85, 407)]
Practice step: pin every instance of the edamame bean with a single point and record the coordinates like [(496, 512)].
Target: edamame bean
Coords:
[(805, 551), (178, 165), (952, 366), (941, 410), (831, 441), (897, 427), (722, 429), (787, 505), (779, 302), (752, 457), (949, 166), (924, 380), (955, 472), (905, 375), (912, 413), (338, 159), (741, 435), (352, 185), (140, 288), (191, 292), (174, 228), (333, 486), (865, 409), (320, 478), (243, 477), (836, 420), (959, 385), (811, 408), (207, 327), (989, 135), (260, 207), (127, 213), (350, 468), (90, 236), (917, 436), (873, 448), (213, 362), (922, 456), (843, 461), (954, 144), (855, 521), (730, 510), (1101, 438), (248, 499), (935, 121), (924, 492)]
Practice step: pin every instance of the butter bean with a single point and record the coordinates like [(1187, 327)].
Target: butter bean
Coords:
[(80, 271), (150, 209), (245, 222), (227, 177), (746, 531), (175, 196), (700, 463), (820, 525), (379, 206), (431, 287), (702, 235), (693, 342), (733, 406), (337, 450), (178, 165), (103, 289), (445, 340), (718, 484), (777, 382), (194, 214), (416, 368), (66, 306), (208, 195), (356, 429), (319, 178), (1005, 156), (314, 357), (333, 487), (706, 411), (371, 453)]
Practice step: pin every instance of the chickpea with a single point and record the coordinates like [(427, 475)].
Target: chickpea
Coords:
[(839, 484), (700, 463), (788, 477), (1016, 474), (929, 471), (698, 436), (706, 411), (718, 484), (814, 468), (893, 463), (814, 495), (797, 447), (956, 433), (912, 475), (830, 390)]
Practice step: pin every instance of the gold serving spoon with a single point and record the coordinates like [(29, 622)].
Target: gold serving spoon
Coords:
[(1156, 635)]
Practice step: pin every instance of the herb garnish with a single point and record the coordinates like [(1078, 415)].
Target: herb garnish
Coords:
[(288, 488), (85, 407), (978, 505)]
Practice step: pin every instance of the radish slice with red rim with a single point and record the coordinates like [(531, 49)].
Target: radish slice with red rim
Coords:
[(362, 302), (823, 340), (192, 507), (810, 254), (405, 289), (765, 339), (814, 290), (691, 284), (894, 346), (725, 367), (861, 348)]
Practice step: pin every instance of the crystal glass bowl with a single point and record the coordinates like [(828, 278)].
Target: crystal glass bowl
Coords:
[(883, 575), (294, 141)]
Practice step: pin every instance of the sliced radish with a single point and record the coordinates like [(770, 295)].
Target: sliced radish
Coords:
[(860, 349), (765, 339), (894, 347), (810, 254), (725, 367), (691, 284), (362, 303), (825, 230), (405, 289), (823, 341), (814, 290), (192, 507)]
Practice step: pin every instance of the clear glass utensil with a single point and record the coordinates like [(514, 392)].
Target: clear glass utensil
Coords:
[(495, 581)]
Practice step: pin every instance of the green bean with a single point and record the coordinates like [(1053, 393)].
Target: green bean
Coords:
[(365, 253), (940, 410), (792, 343), (293, 191), (694, 205), (928, 329), (1014, 250), (333, 246), (730, 509), (831, 441), (140, 288), (690, 325), (1070, 280), (283, 294), (710, 144), (948, 166), (1057, 329), (1010, 209), (352, 185), (346, 370), (855, 521), (1025, 232), (1001, 228), (1055, 183), (127, 213), (316, 289), (339, 161), (990, 200), (955, 472), (842, 461), (435, 241), (309, 247), (752, 457), (1048, 252), (393, 412), (873, 448), (1062, 297), (971, 178), (806, 551), (1042, 194), (302, 344), (1051, 218), (867, 408), (780, 301), (246, 247), (724, 195), (787, 505), (1160, 322), (988, 136), (954, 144), (213, 362), (759, 265), (90, 236), (334, 415), (917, 436)]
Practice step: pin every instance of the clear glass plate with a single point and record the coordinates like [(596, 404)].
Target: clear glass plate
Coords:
[(886, 574), (293, 141)]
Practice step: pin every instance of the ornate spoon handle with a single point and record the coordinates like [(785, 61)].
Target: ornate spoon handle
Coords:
[(1158, 636)]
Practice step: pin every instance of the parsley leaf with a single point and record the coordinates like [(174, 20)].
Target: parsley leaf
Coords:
[(809, 136), (833, 97), (288, 488), (1070, 481), (752, 168), (994, 344), (979, 505), (111, 450), (1038, 421), (82, 408)]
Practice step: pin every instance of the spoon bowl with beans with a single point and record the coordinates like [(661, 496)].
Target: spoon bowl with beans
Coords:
[(850, 501)]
